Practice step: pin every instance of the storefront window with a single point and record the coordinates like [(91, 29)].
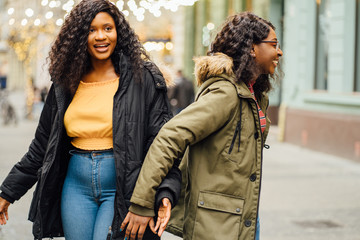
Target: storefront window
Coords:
[(357, 68), (322, 44)]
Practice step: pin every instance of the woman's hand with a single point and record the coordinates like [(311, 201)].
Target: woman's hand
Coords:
[(136, 225), (164, 214), (4, 216)]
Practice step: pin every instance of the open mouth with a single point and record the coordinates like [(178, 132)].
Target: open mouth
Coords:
[(101, 45), (102, 48)]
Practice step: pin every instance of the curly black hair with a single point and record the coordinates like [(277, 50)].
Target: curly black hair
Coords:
[(69, 58), (235, 39)]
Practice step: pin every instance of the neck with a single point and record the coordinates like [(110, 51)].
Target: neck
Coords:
[(102, 70)]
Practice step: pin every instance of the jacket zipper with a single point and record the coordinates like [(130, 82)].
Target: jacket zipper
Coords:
[(237, 131)]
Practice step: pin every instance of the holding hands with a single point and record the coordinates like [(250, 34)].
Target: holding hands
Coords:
[(135, 224)]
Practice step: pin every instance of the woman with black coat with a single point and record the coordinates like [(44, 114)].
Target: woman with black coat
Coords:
[(104, 108)]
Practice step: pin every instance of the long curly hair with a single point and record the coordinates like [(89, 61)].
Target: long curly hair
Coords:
[(235, 39), (69, 57)]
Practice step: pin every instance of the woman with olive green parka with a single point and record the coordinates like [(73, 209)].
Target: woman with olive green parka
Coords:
[(220, 137)]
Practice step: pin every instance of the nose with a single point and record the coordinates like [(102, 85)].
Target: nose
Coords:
[(279, 52), (100, 35)]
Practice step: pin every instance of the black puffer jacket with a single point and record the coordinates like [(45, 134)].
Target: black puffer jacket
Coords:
[(139, 111)]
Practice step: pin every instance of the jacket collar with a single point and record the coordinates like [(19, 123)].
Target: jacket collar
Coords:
[(209, 69)]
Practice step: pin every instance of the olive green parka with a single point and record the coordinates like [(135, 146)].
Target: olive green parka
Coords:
[(219, 140)]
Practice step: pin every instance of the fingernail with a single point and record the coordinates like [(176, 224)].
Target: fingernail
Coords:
[(125, 238), (120, 229)]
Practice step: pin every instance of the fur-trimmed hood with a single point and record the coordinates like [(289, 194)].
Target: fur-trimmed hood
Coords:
[(211, 66), (166, 72)]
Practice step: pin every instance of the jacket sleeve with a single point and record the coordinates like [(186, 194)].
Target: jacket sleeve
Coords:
[(169, 188), (203, 117), (24, 174), (159, 106), (159, 113)]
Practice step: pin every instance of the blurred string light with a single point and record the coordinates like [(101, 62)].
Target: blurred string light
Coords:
[(154, 7), (158, 46), (137, 8)]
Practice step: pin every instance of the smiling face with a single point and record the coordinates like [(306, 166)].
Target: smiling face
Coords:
[(267, 54), (102, 37)]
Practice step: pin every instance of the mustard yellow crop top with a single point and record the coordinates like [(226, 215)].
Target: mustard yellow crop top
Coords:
[(88, 119)]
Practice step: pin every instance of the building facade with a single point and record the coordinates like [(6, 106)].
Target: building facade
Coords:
[(321, 89), (317, 103)]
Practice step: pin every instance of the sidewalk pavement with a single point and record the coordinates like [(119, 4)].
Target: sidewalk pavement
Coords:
[(306, 195)]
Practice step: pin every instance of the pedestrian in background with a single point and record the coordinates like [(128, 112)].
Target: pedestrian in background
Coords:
[(103, 110), (181, 94), (220, 137)]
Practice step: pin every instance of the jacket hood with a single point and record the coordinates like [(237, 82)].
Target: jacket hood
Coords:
[(211, 66)]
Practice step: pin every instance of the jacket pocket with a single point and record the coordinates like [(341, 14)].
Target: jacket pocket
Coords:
[(218, 216)]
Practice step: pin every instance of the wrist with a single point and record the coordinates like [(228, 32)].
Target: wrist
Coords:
[(142, 211), (7, 197)]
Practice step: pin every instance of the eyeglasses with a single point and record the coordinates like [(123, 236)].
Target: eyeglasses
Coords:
[(277, 44)]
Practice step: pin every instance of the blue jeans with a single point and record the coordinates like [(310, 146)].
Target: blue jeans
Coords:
[(87, 200), (257, 234)]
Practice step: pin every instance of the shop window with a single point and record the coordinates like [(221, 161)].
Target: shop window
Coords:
[(322, 44), (357, 62)]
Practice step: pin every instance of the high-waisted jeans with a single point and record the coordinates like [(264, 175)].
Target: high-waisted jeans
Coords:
[(87, 201)]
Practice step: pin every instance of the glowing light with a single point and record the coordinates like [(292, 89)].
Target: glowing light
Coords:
[(126, 12), (11, 21), (11, 11), (49, 15), (132, 5), (157, 13), (169, 46), (120, 5), (139, 11), (68, 6), (37, 22), (145, 4), (24, 22), (44, 2), (59, 22), (52, 4), (161, 45), (140, 18), (210, 26), (29, 12)]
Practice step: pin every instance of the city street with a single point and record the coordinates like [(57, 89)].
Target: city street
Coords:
[(306, 195)]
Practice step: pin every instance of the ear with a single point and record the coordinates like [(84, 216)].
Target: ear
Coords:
[(252, 51)]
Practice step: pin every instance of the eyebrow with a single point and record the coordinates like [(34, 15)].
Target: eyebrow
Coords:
[(105, 24)]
